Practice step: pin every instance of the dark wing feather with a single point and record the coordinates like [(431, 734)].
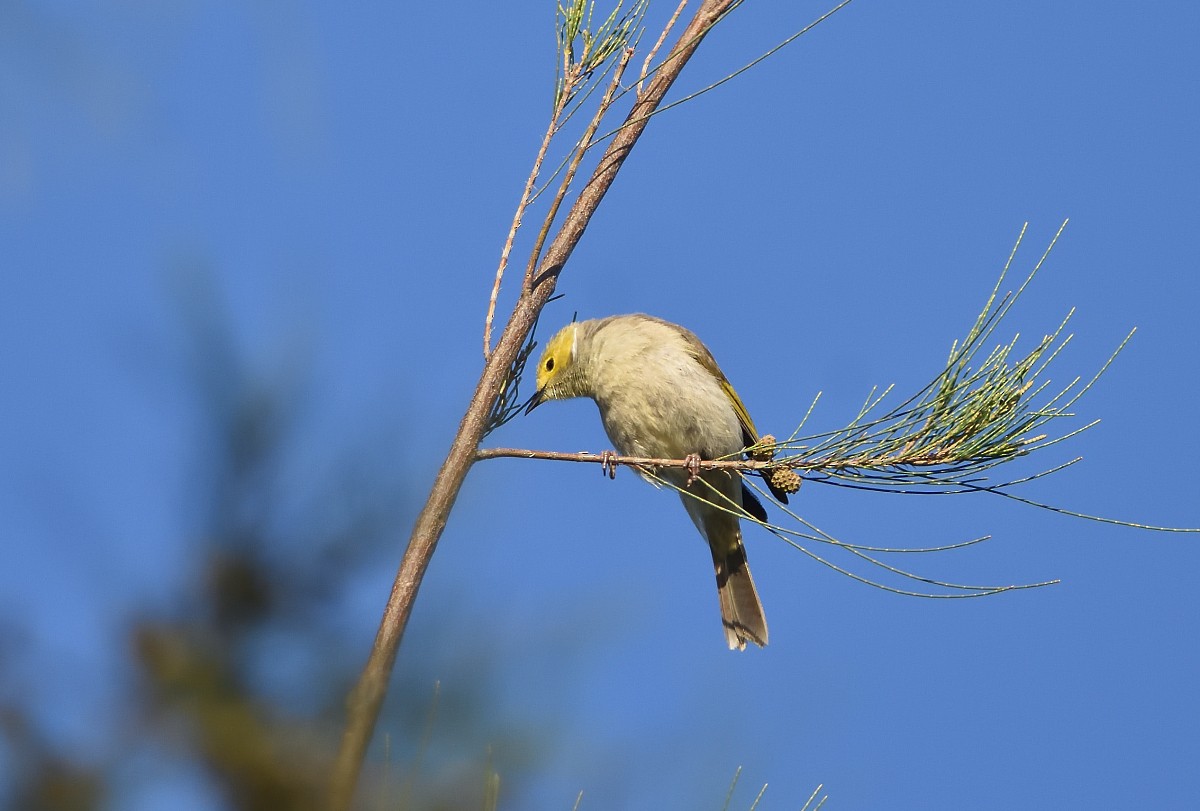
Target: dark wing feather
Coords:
[(752, 505)]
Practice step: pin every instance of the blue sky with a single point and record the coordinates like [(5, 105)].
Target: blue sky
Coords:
[(830, 221)]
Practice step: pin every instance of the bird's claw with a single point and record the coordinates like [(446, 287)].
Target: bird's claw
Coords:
[(693, 467), (608, 464)]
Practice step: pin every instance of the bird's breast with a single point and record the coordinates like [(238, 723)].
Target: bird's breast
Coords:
[(670, 417)]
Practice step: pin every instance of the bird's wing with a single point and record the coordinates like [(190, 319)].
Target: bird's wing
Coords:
[(705, 358), (749, 433)]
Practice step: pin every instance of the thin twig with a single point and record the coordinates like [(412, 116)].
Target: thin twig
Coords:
[(661, 39), (581, 149), (526, 198), (630, 461), (822, 465), (765, 55), (737, 72)]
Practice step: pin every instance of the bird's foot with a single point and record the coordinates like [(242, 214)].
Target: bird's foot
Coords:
[(608, 464), (692, 467)]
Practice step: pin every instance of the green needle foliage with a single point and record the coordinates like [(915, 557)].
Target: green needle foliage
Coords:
[(585, 52), (979, 412)]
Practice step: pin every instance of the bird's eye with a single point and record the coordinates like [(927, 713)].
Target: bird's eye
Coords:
[(549, 364)]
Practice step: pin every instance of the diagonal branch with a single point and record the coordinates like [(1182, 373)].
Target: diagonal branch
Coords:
[(366, 699)]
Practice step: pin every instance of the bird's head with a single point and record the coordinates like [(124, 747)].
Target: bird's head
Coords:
[(559, 377)]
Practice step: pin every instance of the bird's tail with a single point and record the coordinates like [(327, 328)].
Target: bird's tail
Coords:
[(741, 610)]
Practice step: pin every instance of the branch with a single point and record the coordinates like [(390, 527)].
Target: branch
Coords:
[(661, 39), (629, 461), (824, 465), (366, 699), (860, 467)]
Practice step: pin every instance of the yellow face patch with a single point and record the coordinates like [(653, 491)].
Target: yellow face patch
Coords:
[(557, 356)]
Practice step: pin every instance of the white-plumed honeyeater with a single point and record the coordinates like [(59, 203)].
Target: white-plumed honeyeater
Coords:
[(661, 395)]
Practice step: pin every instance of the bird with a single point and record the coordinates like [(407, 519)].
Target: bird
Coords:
[(661, 395)]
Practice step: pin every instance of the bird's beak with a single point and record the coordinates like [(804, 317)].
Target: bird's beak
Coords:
[(535, 400)]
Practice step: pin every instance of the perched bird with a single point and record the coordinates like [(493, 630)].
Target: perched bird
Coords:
[(662, 395)]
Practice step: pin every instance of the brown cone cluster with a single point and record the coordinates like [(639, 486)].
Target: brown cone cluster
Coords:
[(764, 450), (784, 479)]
